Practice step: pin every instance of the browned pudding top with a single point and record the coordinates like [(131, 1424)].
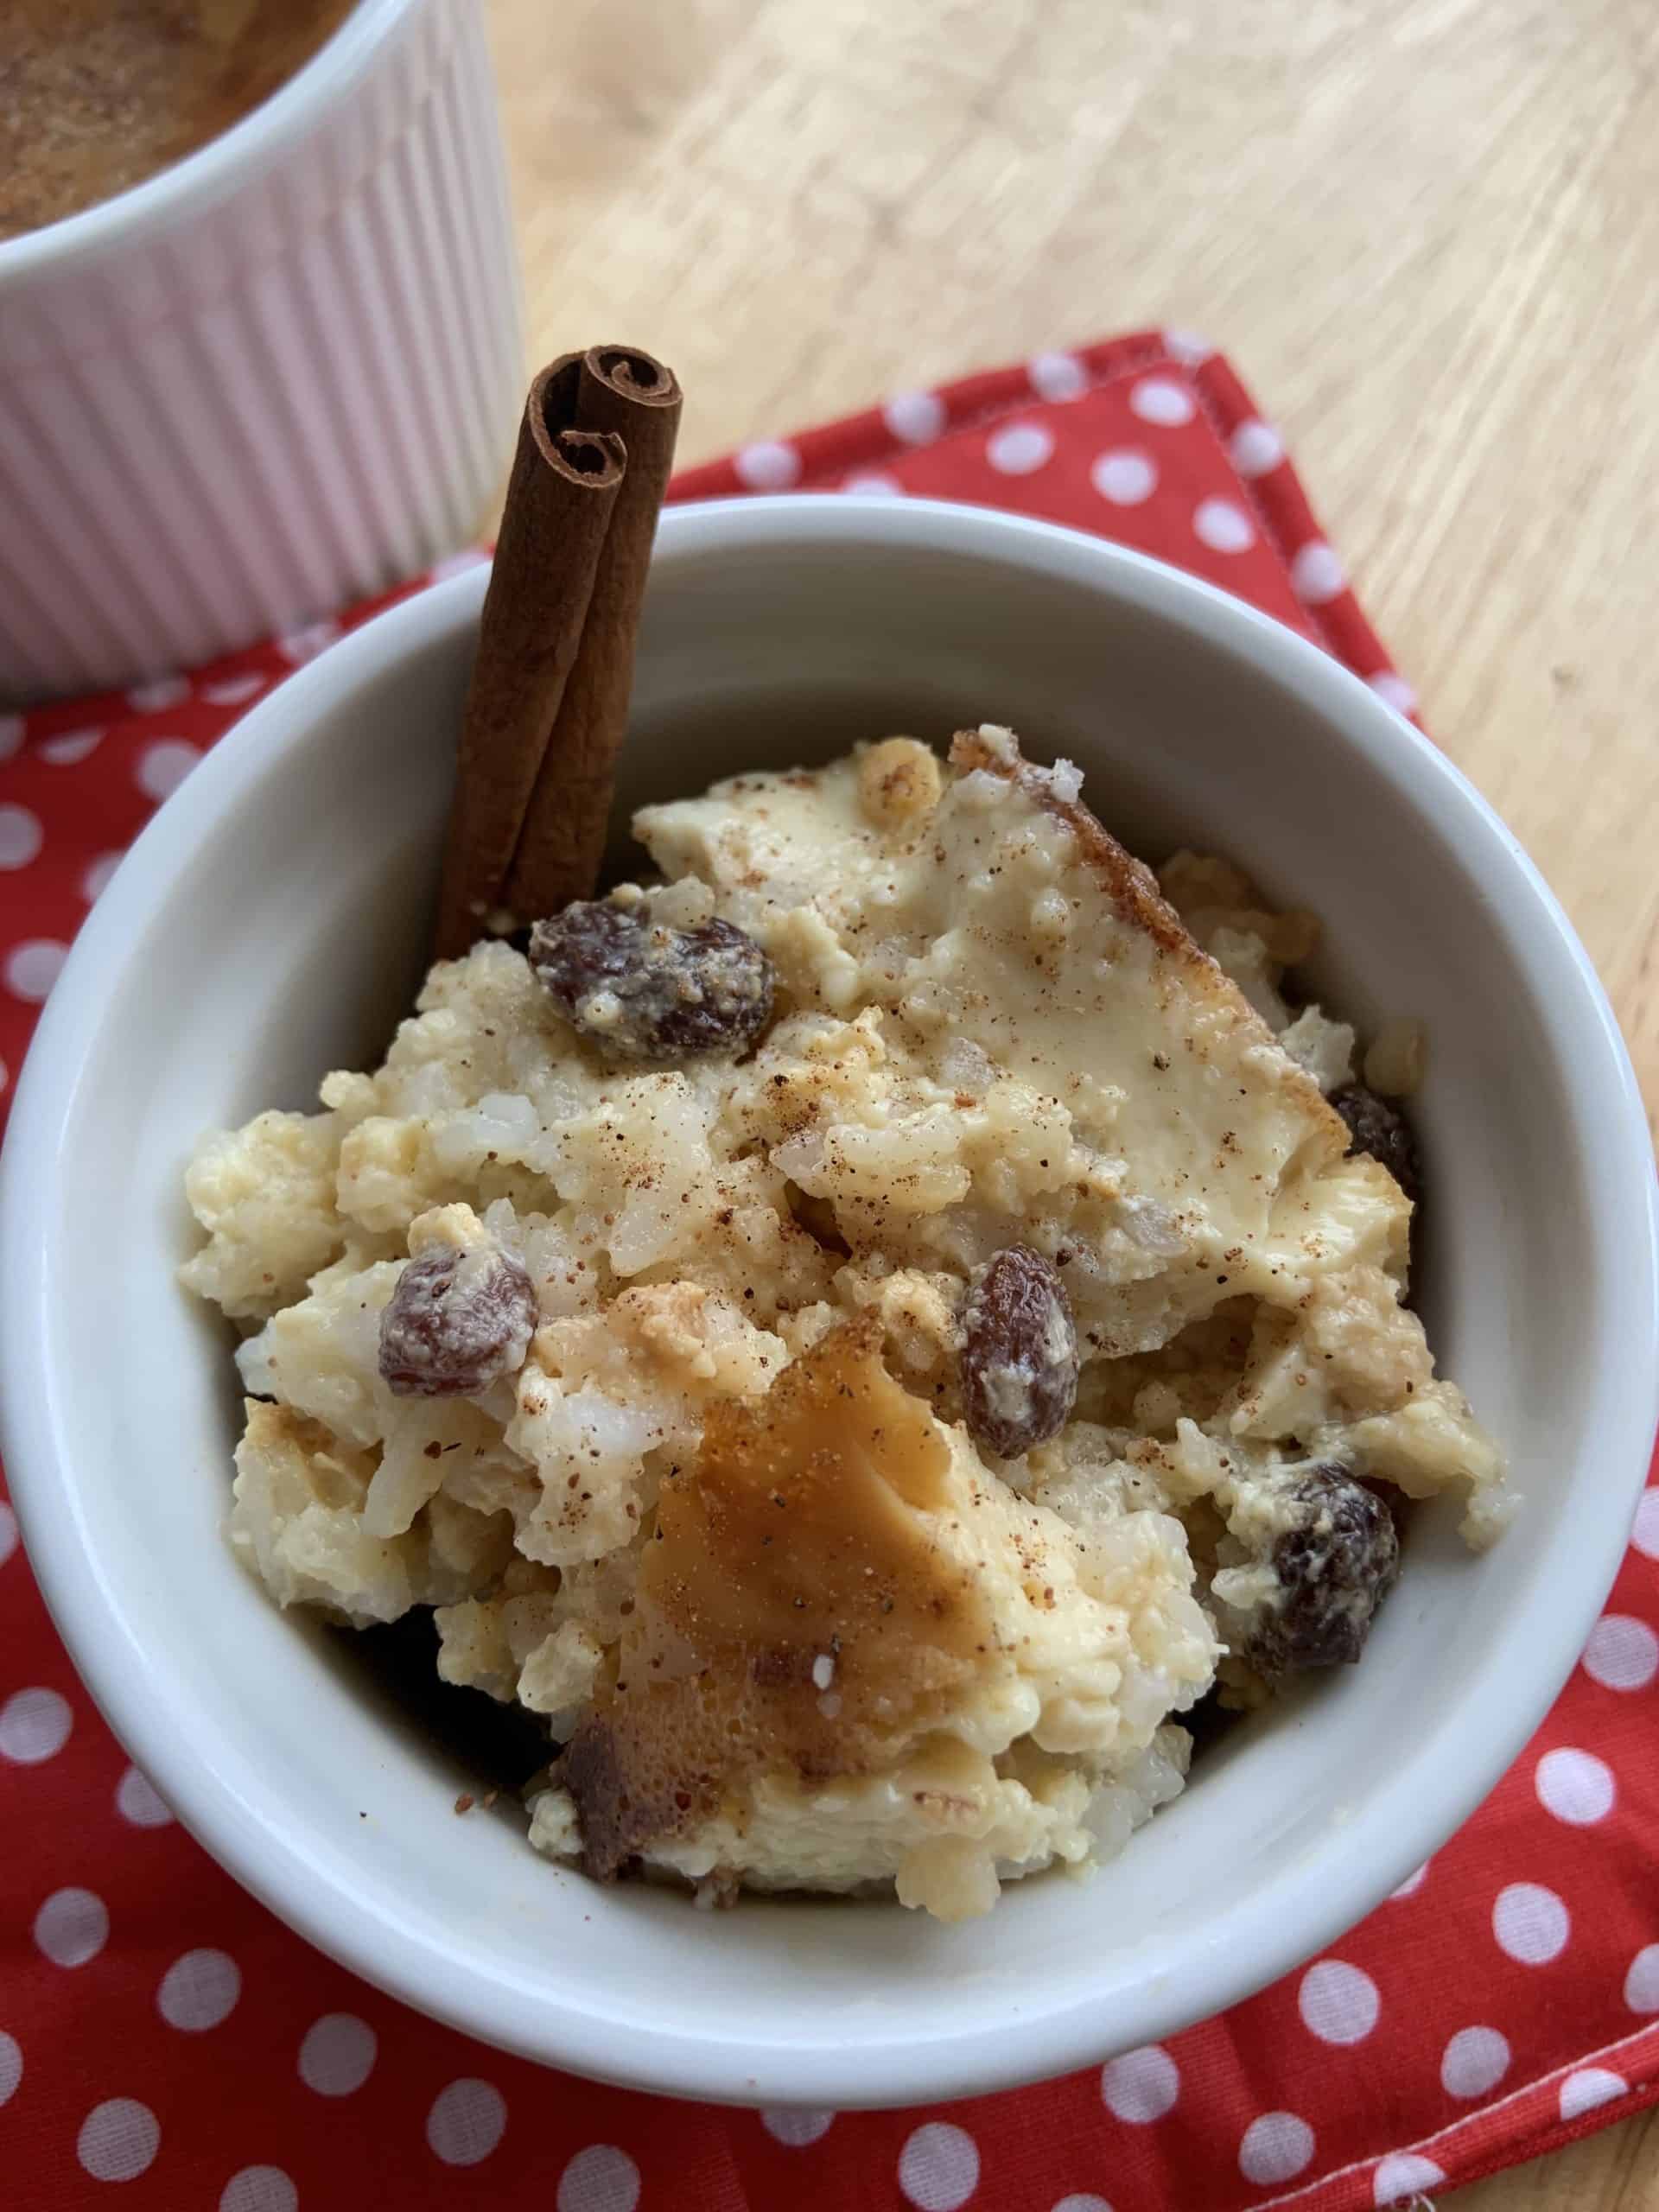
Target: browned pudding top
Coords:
[(795, 1614), (97, 95)]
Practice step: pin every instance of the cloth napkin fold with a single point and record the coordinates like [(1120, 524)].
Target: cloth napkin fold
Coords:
[(160, 2030)]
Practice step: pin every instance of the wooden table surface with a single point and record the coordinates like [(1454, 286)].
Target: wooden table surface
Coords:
[(1426, 231)]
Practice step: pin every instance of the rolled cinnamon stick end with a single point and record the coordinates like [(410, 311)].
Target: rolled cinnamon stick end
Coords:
[(561, 499), (622, 393)]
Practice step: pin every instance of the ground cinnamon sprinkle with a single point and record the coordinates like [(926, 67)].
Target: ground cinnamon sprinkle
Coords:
[(97, 95)]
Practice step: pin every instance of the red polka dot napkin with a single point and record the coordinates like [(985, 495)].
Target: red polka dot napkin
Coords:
[(161, 2032)]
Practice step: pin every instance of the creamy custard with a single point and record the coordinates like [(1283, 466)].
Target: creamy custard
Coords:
[(856, 1338)]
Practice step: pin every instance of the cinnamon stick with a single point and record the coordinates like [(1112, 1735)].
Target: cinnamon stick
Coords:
[(561, 499), (623, 393)]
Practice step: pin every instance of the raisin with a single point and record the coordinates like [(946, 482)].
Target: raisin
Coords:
[(1019, 1353), (1382, 1132), (456, 1322), (1335, 1563), (643, 991)]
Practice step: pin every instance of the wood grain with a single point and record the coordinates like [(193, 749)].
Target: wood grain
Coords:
[(1425, 231)]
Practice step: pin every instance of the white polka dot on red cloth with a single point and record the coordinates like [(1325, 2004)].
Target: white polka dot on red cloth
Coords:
[(1530, 1923), (74, 746), (21, 837), (1187, 346), (1590, 2086), (154, 697), (259, 2189), (1057, 376), (602, 2178), (468, 2119), (234, 691), (1623, 1653), (11, 735), (34, 1725), (1019, 448), (1082, 2200), (119, 2139), (915, 416), (1644, 1529), (767, 466), (8, 1518), (1412, 1883), (1642, 1982), (1141, 2085), (1255, 448), (32, 967), (303, 644), (137, 1800), (1575, 1786), (164, 765), (72, 1927), (199, 1991), (938, 2167), (337, 2055), (1276, 2147), (1402, 2176), (95, 878), (1316, 575), (1339, 2003), (872, 485), (1161, 400), (1474, 2061), (796, 2126), (1124, 476), (1223, 526), (11, 2065), (1394, 691)]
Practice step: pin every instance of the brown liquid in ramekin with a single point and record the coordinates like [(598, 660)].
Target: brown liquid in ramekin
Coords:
[(97, 95)]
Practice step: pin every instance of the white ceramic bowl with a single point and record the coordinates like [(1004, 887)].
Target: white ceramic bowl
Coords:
[(279, 375), (269, 925)]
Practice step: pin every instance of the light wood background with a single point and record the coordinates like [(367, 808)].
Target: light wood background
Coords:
[(1426, 231)]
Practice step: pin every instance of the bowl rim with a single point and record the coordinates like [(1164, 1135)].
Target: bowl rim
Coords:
[(245, 151), (1254, 1941)]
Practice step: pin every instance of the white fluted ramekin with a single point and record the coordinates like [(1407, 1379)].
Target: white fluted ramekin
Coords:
[(275, 377)]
